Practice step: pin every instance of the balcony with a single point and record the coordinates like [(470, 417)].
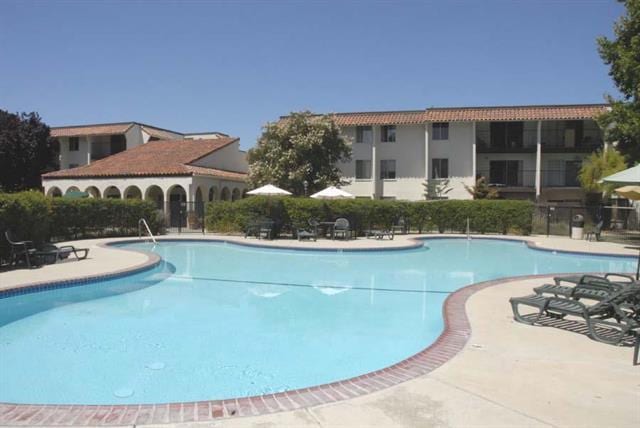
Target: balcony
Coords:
[(523, 179)]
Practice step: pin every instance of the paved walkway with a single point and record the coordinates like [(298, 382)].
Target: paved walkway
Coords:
[(508, 375)]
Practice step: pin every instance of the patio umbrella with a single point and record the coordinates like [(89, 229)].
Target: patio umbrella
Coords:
[(628, 176), (269, 190), (76, 195), (629, 192), (332, 192)]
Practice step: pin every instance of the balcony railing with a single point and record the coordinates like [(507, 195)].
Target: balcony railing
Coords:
[(527, 178)]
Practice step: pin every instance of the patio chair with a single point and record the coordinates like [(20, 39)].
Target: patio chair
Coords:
[(401, 226), (594, 232), (21, 250), (380, 234), (610, 282), (618, 311), (342, 229), (266, 229), (309, 233), (56, 253)]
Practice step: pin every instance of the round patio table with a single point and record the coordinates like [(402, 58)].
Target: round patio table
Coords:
[(328, 225)]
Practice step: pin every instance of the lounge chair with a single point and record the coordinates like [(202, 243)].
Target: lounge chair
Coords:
[(380, 234), (610, 282), (309, 233), (342, 229), (55, 253), (618, 310), (401, 226), (260, 228), (21, 250)]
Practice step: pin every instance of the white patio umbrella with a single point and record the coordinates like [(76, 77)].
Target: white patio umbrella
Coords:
[(269, 190), (332, 192), (628, 176)]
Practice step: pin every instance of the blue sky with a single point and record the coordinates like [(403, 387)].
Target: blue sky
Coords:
[(233, 66)]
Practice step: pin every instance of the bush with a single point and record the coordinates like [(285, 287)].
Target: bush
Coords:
[(485, 216), (32, 216)]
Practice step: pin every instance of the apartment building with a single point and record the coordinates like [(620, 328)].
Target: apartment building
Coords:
[(526, 152)]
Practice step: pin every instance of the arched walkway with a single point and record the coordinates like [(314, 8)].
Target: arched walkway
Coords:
[(213, 193), (71, 189), (225, 194), (235, 195), (177, 206), (93, 192), (112, 192), (156, 195), (132, 192), (54, 192)]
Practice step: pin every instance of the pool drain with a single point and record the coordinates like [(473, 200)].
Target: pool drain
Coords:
[(123, 392)]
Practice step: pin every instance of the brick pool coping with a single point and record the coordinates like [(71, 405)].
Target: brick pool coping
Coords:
[(451, 341)]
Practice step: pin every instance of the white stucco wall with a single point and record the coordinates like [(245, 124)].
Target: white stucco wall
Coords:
[(459, 150), (229, 158)]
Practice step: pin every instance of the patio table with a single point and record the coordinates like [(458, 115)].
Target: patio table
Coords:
[(328, 225)]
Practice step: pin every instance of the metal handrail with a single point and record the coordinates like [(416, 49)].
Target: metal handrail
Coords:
[(142, 222)]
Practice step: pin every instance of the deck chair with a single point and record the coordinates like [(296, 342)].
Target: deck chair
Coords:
[(595, 232), (342, 229), (309, 233), (619, 310), (56, 253), (610, 282), (21, 250)]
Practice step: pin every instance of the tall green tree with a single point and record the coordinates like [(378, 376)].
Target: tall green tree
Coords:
[(26, 151), (622, 55), (300, 148), (599, 165)]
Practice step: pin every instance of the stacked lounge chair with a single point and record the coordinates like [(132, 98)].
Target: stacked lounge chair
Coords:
[(612, 304)]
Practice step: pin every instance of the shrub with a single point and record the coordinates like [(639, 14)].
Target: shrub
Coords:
[(485, 216), (35, 217)]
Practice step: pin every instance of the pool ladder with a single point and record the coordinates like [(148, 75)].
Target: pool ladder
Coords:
[(143, 222)]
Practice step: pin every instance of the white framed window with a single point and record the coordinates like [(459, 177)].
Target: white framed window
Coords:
[(74, 144), (440, 131), (388, 169), (439, 168), (363, 169), (388, 134), (364, 134)]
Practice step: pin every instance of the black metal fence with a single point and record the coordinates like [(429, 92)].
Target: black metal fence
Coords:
[(619, 223), (184, 217)]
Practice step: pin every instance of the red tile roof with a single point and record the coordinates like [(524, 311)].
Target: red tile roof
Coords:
[(100, 129), (542, 112), (156, 158), (379, 118)]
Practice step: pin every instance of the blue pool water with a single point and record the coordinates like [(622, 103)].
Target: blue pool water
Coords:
[(219, 320)]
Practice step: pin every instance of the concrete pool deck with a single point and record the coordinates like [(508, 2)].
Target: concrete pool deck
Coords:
[(508, 374)]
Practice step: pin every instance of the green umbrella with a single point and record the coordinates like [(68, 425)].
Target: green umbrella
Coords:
[(76, 195)]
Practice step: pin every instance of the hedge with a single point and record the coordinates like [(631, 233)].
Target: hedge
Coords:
[(35, 217), (485, 216)]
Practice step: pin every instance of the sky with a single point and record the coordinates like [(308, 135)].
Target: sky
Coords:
[(193, 66)]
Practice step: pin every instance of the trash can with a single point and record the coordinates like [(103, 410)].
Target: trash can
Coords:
[(577, 227)]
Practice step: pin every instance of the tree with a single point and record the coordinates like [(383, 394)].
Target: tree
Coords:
[(482, 190), (436, 189), (622, 55), (599, 165), (301, 148), (26, 151)]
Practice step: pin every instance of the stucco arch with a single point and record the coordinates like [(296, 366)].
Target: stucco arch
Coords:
[(93, 192), (132, 192), (225, 195), (111, 192), (54, 192), (235, 195), (213, 192), (71, 189), (155, 194), (177, 198)]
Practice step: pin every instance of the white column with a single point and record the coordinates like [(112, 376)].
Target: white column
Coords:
[(426, 151), (473, 153), (89, 150), (374, 161), (538, 159)]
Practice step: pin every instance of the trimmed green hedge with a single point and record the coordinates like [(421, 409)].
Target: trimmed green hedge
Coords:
[(485, 216), (35, 217)]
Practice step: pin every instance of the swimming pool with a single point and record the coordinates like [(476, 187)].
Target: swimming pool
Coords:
[(218, 320)]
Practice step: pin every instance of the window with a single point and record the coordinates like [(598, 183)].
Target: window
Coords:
[(74, 144), (388, 134), (363, 169), (364, 134), (388, 169), (440, 131), (506, 172), (439, 168)]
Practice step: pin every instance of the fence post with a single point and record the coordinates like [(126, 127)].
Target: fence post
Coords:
[(570, 220), (548, 219)]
